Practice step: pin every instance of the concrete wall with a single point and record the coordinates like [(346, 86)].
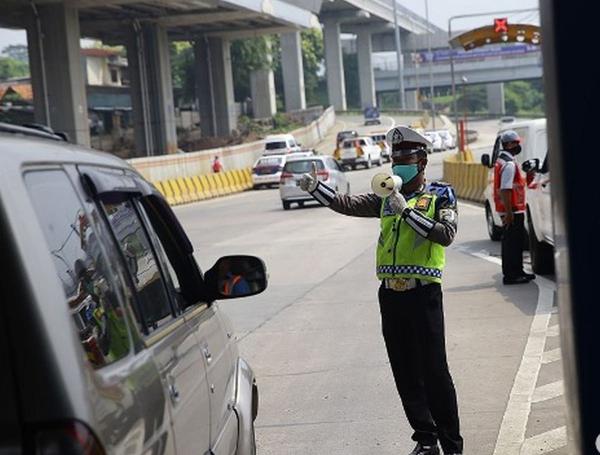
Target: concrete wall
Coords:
[(235, 157)]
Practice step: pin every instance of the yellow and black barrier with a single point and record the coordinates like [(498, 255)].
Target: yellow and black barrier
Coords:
[(468, 178), (182, 190)]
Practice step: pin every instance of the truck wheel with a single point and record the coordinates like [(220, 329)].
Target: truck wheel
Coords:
[(494, 231), (542, 253), (286, 205)]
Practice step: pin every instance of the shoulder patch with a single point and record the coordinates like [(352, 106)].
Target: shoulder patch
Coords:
[(423, 203), (442, 190)]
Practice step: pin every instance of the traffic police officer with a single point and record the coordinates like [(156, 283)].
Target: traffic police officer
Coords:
[(417, 222)]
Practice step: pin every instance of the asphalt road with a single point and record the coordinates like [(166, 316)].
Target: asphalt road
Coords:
[(314, 339)]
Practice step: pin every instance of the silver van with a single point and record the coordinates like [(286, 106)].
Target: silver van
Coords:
[(111, 337)]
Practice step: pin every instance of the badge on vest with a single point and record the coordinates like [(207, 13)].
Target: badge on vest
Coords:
[(423, 203)]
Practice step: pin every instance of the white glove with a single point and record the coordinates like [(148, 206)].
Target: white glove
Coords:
[(397, 202), (309, 181)]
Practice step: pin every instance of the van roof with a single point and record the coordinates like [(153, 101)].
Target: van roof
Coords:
[(538, 122), (278, 137)]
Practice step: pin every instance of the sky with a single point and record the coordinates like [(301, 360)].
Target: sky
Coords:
[(439, 13)]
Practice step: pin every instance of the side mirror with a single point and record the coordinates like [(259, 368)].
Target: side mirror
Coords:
[(532, 165), (485, 160), (236, 276)]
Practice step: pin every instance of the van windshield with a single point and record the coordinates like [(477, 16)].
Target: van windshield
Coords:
[(275, 145)]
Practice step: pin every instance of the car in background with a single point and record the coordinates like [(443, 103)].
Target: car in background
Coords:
[(360, 151), (329, 172), (281, 144), (266, 171), (539, 215), (534, 144), (118, 344), (386, 151), (503, 121), (341, 135), (371, 116), (448, 141), (437, 144)]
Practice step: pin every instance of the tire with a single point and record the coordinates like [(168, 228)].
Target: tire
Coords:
[(353, 166), (542, 254), (380, 162), (286, 205), (494, 231), (301, 204)]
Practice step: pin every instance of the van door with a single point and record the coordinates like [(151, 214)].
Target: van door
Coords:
[(166, 335)]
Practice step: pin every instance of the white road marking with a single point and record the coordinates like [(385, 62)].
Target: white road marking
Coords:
[(553, 331), (548, 391), (551, 356), (545, 442)]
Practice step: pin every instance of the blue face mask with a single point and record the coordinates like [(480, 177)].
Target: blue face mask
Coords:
[(406, 172)]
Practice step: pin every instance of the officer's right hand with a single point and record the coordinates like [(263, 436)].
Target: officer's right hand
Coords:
[(309, 181)]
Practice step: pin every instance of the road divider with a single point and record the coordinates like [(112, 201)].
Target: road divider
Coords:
[(468, 178)]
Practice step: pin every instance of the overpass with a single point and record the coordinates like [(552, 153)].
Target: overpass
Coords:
[(146, 27)]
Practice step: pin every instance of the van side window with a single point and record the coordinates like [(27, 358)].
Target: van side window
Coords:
[(154, 303), (91, 293)]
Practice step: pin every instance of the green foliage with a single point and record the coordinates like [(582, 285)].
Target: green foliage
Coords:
[(524, 96), (10, 68), (313, 60), (248, 55), (182, 69), (351, 80), (17, 52)]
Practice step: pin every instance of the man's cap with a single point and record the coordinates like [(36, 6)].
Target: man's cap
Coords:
[(406, 141), (510, 136)]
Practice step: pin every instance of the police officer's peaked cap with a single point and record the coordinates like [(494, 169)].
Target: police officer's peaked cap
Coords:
[(510, 136), (406, 141)]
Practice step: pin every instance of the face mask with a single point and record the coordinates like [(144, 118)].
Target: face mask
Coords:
[(406, 172), (516, 150)]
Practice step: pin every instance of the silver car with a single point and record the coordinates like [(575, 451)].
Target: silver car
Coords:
[(329, 172), (111, 337)]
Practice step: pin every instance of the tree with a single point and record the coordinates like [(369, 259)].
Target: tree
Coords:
[(17, 52), (248, 55), (182, 69), (11, 68), (313, 61)]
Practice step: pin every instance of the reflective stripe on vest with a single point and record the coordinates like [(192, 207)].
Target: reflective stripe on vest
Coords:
[(230, 284), (401, 252), (518, 190)]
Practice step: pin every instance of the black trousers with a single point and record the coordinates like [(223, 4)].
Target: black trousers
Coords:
[(413, 330), (513, 237)]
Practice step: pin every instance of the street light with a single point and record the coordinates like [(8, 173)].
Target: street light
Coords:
[(430, 66), (399, 58)]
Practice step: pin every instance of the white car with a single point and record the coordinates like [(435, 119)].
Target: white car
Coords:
[(329, 172), (437, 144), (386, 150), (267, 170), (359, 151), (281, 144), (539, 215), (534, 144), (448, 141)]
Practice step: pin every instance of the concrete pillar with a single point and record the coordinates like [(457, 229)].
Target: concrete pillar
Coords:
[(412, 101), (334, 65), (151, 91), (366, 77), (262, 90), (293, 71), (495, 98), (57, 74), (214, 86)]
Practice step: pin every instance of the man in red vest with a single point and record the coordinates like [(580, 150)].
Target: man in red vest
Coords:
[(509, 198)]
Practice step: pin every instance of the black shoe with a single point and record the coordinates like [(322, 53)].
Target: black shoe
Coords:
[(523, 279), (529, 276), (420, 449)]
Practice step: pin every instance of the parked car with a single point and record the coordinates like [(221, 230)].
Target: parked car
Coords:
[(371, 115), (267, 170), (328, 170), (539, 215), (117, 344), (281, 144), (436, 141), (448, 141), (386, 151), (359, 151), (534, 144)]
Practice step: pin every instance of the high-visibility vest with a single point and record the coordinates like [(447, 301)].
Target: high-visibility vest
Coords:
[(401, 252), (517, 196)]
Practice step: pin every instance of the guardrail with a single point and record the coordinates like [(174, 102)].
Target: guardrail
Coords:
[(188, 177), (469, 179)]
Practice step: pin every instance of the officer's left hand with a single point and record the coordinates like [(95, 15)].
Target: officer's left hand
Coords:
[(397, 202)]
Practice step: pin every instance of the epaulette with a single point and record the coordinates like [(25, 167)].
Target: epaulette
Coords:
[(442, 189)]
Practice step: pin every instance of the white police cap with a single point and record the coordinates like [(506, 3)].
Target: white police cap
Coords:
[(406, 141)]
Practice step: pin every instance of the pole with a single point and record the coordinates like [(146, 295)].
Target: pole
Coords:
[(430, 65), (399, 58), (417, 63)]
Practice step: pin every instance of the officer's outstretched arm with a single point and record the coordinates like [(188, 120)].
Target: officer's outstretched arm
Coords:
[(442, 228), (362, 205)]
